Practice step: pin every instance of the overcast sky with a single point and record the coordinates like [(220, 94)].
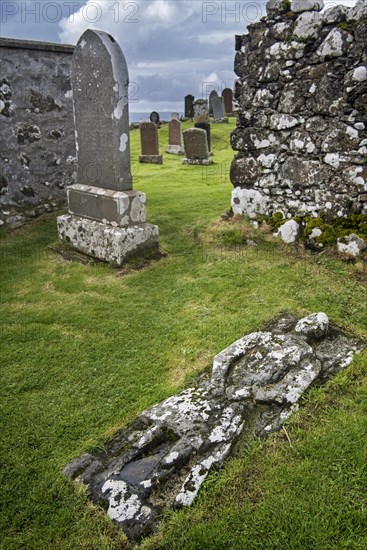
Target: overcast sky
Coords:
[(172, 47)]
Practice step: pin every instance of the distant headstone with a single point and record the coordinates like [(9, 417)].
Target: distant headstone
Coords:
[(205, 126), (174, 138), (107, 219), (175, 116), (228, 101), (196, 147), (212, 95), (149, 144), (154, 117), (201, 111), (218, 110), (189, 109)]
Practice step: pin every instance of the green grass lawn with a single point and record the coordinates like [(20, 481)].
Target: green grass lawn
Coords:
[(88, 347)]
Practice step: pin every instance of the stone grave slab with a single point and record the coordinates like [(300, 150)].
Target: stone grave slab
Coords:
[(154, 117), (201, 110), (189, 108), (107, 218), (206, 126), (149, 144), (163, 457), (212, 95), (228, 101), (196, 147), (218, 110), (175, 138)]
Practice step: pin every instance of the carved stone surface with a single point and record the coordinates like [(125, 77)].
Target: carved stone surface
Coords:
[(196, 147), (107, 219), (149, 144), (100, 92), (175, 138), (189, 108), (213, 94), (164, 456), (201, 110), (228, 101), (218, 109)]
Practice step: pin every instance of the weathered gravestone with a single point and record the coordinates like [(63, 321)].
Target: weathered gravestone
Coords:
[(174, 138), (175, 116), (201, 111), (107, 219), (196, 147), (212, 95), (164, 456), (149, 144), (228, 101), (205, 126), (218, 110), (189, 109), (154, 117)]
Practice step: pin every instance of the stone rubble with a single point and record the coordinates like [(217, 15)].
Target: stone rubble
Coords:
[(163, 457)]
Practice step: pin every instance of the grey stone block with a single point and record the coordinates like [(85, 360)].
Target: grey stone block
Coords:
[(120, 208), (107, 243)]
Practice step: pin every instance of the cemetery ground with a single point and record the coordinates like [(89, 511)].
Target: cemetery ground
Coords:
[(87, 347)]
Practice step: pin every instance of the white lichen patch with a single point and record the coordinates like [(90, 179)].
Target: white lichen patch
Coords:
[(169, 459), (182, 411), (360, 74), (334, 44), (197, 476), (315, 325), (333, 159), (146, 483), (122, 505), (123, 142), (301, 382), (229, 424)]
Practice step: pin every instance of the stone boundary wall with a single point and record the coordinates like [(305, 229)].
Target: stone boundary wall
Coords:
[(301, 136), (37, 141)]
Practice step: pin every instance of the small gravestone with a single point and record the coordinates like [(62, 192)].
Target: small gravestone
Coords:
[(201, 110), (175, 116), (196, 147), (205, 126), (174, 138), (154, 117), (149, 144), (218, 110), (189, 109), (212, 95), (228, 101), (106, 219)]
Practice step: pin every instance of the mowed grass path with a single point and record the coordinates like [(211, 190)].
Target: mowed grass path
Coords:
[(85, 348)]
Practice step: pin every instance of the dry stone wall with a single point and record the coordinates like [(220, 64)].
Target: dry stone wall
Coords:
[(37, 142), (301, 136)]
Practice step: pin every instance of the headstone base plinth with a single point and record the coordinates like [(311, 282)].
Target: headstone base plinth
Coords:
[(122, 208), (223, 120), (204, 162), (105, 242), (175, 150), (151, 159)]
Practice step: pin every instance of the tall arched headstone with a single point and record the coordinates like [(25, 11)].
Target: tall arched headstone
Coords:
[(107, 219), (189, 109), (100, 80), (213, 94), (228, 101), (175, 138)]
